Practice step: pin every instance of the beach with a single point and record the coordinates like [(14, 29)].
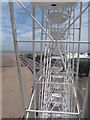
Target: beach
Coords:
[(11, 97)]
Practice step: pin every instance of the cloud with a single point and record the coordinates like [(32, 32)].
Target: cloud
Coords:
[(29, 34), (24, 25), (7, 41)]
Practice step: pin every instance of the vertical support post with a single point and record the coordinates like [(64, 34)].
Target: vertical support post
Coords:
[(44, 74), (69, 68), (11, 7), (41, 60), (73, 40), (85, 113), (34, 70), (47, 26), (69, 89), (41, 44), (68, 43), (73, 55), (78, 59)]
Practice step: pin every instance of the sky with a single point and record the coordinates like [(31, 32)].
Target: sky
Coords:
[(24, 27)]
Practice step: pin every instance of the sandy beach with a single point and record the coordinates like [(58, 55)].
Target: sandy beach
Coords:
[(11, 98)]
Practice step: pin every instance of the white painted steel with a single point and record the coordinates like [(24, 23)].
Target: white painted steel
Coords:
[(59, 41), (58, 17), (54, 5), (11, 7), (79, 39), (55, 85)]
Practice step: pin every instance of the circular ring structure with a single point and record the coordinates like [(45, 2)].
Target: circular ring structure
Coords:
[(58, 35), (58, 17), (54, 5)]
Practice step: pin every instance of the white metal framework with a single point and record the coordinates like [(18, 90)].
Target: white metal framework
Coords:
[(55, 91)]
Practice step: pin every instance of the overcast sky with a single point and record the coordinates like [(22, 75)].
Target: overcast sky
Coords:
[(24, 27)]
